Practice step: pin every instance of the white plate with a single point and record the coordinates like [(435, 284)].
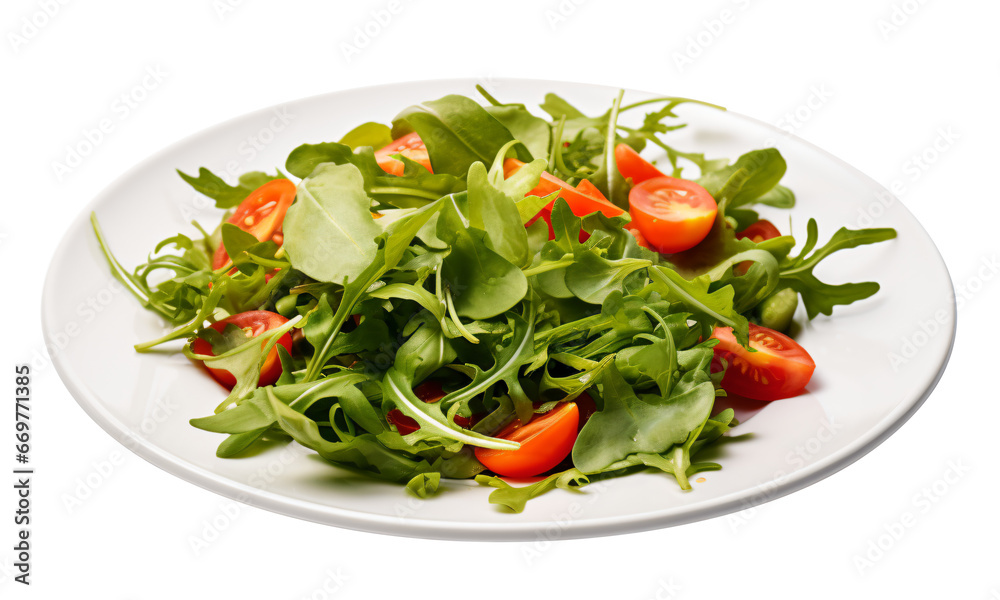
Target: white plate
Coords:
[(856, 399)]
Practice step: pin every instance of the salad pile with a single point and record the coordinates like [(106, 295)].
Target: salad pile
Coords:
[(477, 291)]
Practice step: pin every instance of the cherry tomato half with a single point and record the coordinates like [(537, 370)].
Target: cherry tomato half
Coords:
[(757, 232), (253, 323), (261, 214), (672, 214), (410, 146), (545, 441), (780, 367), (634, 167)]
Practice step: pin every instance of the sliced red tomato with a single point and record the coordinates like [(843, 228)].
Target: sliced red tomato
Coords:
[(404, 424), (582, 200), (545, 441), (586, 187), (261, 214), (410, 146), (780, 367), (253, 323), (672, 214), (634, 167), (759, 231), (429, 391)]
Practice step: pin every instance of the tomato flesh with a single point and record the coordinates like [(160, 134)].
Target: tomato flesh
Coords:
[(253, 323), (587, 407), (583, 199), (758, 232), (672, 214), (545, 441), (410, 146), (634, 167), (780, 367), (588, 188), (260, 214)]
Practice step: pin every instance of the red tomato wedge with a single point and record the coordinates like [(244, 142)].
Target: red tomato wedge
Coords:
[(672, 214), (590, 189), (261, 214), (410, 146), (430, 392), (545, 441), (634, 167), (583, 199), (253, 323), (757, 232), (780, 367)]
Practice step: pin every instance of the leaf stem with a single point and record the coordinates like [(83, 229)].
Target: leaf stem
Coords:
[(562, 263), (674, 99), (609, 145), (116, 267), (455, 319)]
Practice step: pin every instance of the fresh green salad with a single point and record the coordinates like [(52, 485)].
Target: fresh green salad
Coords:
[(480, 292)]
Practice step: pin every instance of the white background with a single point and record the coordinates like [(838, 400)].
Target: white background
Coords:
[(875, 82)]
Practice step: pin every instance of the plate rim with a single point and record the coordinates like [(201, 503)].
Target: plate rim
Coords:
[(468, 530)]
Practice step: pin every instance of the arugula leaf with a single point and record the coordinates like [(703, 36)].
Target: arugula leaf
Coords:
[(415, 188), (715, 256), (225, 195), (534, 132), (694, 294), (250, 415), (558, 107), (329, 230), (246, 252), (818, 297), (587, 374), (370, 334), (493, 211), (424, 485), (457, 132), (655, 362), (752, 178), (483, 283), (629, 424), (515, 498), (304, 159), (392, 244), (425, 351), (365, 452), (508, 361), (607, 178), (592, 277), (405, 291), (375, 135), (398, 389), (243, 359)]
